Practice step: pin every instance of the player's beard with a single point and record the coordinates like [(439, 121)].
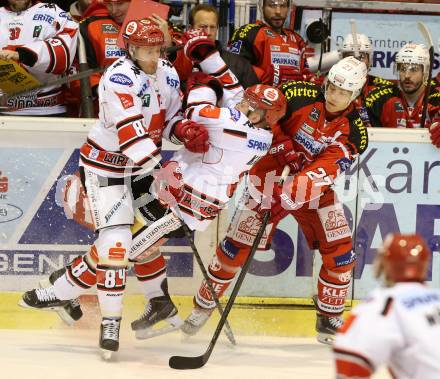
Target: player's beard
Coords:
[(275, 22), (20, 5), (413, 90)]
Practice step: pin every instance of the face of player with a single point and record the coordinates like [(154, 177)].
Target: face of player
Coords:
[(410, 77), (147, 57), (118, 10), (336, 99), (206, 21), (255, 116), (275, 13), (19, 5)]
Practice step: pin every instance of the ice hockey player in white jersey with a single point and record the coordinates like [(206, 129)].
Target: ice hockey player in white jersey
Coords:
[(397, 326), (140, 101), (238, 137), (43, 38)]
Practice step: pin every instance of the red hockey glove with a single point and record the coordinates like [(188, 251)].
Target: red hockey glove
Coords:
[(168, 183), (434, 132), (194, 136), (201, 79), (282, 203), (284, 153), (198, 46)]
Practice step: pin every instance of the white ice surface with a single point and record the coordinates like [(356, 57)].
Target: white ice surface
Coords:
[(73, 354)]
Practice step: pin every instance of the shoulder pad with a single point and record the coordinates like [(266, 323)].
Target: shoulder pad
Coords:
[(299, 94), (243, 31), (378, 81), (434, 96), (358, 134), (380, 95)]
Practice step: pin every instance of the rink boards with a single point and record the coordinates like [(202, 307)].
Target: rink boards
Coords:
[(395, 187)]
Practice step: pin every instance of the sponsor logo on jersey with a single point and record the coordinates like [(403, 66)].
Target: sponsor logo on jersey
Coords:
[(312, 146), (295, 91), (113, 51), (307, 128), (109, 28), (421, 300), (37, 31), (173, 82), (398, 107), (229, 249), (125, 99), (377, 94), (345, 259), (94, 153), (275, 48), (235, 114), (121, 79), (363, 114), (284, 59), (66, 15), (334, 223), (235, 47), (269, 33), (314, 114), (43, 17), (110, 41), (401, 123), (293, 50), (344, 164), (258, 145)]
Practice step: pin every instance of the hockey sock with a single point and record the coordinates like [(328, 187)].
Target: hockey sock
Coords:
[(332, 293), (80, 275), (150, 276)]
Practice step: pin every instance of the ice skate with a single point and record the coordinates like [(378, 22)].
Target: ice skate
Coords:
[(109, 337), (72, 310), (195, 321), (42, 299), (158, 309), (326, 326)]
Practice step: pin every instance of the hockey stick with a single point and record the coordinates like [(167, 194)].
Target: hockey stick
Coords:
[(357, 53), (425, 33), (228, 330), (185, 363), (188, 235)]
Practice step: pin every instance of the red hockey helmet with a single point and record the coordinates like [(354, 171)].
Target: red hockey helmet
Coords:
[(404, 258), (269, 98), (143, 33)]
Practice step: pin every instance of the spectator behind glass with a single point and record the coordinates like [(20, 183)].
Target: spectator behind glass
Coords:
[(206, 17), (43, 38), (277, 54)]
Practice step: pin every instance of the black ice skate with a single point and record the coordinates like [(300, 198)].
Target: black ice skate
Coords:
[(195, 321), (71, 312), (43, 299), (158, 309), (109, 336), (326, 326)]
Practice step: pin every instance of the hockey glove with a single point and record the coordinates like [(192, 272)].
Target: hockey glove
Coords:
[(199, 79), (168, 184), (194, 136), (282, 74), (284, 153), (282, 203), (198, 46), (434, 132)]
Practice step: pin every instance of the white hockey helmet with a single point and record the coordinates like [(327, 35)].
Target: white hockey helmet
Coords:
[(349, 74), (363, 42), (413, 53)]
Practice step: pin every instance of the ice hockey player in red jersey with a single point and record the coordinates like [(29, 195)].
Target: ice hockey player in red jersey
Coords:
[(397, 325), (401, 106), (319, 137)]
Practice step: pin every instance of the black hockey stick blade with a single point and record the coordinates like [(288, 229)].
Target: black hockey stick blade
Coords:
[(187, 363)]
